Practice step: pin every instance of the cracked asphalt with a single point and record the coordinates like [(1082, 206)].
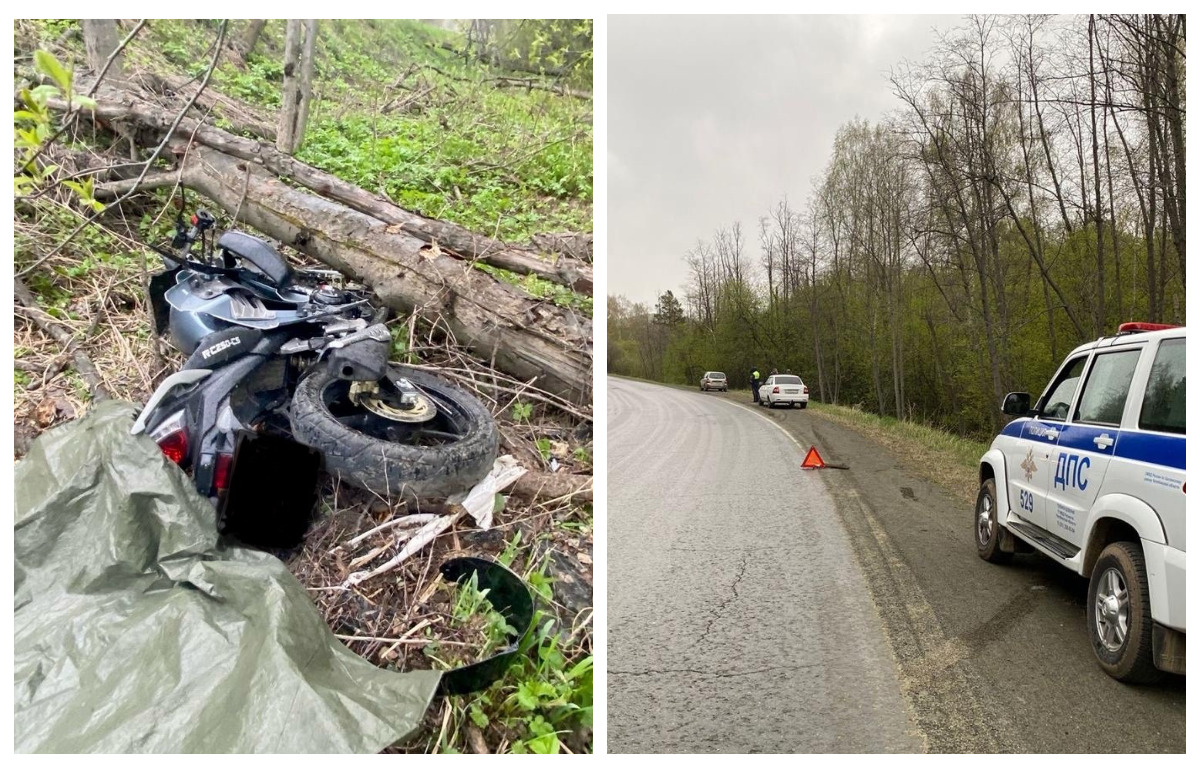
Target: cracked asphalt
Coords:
[(739, 619), (975, 657)]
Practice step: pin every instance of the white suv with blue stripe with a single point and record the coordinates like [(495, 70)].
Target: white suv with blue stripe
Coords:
[(1093, 476)]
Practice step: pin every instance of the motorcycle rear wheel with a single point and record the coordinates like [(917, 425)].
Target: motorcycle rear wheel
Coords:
[(435, 459)]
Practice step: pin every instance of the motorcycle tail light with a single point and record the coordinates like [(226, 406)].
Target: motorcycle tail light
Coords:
[(223, 471), (174, 446), (171, 436)]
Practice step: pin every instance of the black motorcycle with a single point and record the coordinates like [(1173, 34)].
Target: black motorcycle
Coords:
[(303, 354)]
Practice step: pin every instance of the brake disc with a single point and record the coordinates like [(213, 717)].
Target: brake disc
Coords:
[(367, 395)]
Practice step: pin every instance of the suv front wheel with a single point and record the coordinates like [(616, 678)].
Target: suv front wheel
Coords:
[(987, 525), (1119, 621)]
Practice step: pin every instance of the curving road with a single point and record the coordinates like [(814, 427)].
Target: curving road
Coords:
[(754, 606), (738, 618)]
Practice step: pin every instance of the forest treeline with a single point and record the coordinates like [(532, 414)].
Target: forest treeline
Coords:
[(1027, 194)]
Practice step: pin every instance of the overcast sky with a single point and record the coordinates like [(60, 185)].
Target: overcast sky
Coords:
[(713, 119)]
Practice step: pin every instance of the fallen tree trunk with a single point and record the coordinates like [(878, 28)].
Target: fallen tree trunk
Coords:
[(536, 85), (545, 486), (521, 335), (241, 118), (572, 271)]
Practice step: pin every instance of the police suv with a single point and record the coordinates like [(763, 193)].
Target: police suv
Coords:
[(1093, 476)]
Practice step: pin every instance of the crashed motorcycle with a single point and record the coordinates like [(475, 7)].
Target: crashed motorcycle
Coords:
[(303, 354)]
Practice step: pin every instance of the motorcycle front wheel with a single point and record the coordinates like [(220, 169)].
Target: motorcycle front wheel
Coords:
[(435, 458)]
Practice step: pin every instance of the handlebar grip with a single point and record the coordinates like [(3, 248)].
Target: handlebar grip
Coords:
[(202, 220)]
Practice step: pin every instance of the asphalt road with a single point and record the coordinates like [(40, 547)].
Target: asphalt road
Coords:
[(985, 658), (738, 618)]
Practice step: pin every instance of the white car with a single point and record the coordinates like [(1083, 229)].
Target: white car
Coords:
[(1093, 476), (783, 388)]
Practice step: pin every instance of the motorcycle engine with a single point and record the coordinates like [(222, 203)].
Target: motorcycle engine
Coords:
[(328, 295)]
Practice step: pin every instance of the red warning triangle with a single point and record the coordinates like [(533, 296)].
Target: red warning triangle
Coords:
[(812, 460)]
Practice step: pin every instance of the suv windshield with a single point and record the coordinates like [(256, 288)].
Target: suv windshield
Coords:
[(788, 380)]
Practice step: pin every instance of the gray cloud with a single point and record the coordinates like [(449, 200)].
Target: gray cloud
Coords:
[(713, 119)]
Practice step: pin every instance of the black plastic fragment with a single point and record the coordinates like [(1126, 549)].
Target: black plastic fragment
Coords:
[(510, 597)]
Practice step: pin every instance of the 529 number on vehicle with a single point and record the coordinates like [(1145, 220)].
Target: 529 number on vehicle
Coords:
[(1026, 501)]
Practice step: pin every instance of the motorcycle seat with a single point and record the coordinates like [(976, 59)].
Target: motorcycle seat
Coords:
[(258, 253)]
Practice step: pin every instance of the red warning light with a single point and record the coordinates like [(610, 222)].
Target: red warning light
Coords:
[(812, 460), (1136, 327)]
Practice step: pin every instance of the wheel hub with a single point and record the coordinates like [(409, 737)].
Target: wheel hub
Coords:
[(984, 528), (1112, 610), (410, 408)]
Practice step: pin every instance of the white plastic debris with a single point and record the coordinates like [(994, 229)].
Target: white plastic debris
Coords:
[(480, 501)]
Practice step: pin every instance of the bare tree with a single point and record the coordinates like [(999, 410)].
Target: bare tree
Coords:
[(100, 37), (245, 44), (299, 52)]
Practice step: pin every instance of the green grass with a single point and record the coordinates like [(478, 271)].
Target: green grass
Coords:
[(541, 288)]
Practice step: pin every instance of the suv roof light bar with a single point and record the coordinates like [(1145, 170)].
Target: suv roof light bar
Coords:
[(1141, 327)]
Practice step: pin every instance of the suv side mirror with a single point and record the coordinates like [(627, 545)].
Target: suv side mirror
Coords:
[(1015, 404)]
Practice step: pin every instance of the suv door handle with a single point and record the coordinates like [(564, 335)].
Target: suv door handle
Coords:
[(1103, 441)]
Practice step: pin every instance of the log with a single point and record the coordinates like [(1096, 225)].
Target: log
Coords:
[(523, 336), (242, 118), (571, 268), (544, 486), (537, 85)]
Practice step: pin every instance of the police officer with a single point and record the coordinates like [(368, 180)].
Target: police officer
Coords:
[(755, 382)]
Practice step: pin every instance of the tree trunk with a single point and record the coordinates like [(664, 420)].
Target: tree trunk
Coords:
[(307, 58), (1100, 317), (298, 56), (118, 106), (101, 39), (245, 44), (524, 336)]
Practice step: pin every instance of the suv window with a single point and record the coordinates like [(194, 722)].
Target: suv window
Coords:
[(1058, 400), (1163, 408), (1107, 388)]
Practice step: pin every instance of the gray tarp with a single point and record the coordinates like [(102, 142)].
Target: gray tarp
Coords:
[(136, 631)]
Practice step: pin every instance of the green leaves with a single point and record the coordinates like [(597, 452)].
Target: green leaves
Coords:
[(85, 190), (45, 63), (582, 456), (522, 411)]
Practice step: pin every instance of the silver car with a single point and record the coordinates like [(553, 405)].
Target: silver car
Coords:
[(783, 388), (714, 380)]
